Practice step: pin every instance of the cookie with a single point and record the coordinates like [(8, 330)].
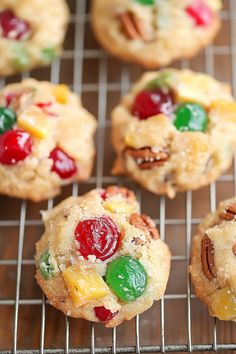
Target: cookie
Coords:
[(46, 139), (174, 131), (31, 33), (153, 33), (213, 264), (100, 259)]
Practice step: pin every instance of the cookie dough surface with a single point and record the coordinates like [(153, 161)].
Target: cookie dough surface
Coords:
[(59, 132), (44, 22), (77, 281), (213, 264), (155, 150), (154, 33)]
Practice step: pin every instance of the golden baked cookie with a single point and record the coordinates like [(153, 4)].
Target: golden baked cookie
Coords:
[(100, 259), (31, 33), (46, 139), (213, 264), (174, 131), (153, 33)]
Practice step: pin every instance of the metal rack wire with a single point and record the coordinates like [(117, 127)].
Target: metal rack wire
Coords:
[(79, 20)]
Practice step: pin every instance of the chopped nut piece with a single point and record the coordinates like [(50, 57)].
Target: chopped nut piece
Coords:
[(144, 223), (135, 28), (229, 213), (138, 241), (207, 258), (114, 190), (234, 249), (146, 158)]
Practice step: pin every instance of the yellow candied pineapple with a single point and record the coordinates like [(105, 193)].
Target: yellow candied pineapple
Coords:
[(224, 304), (198, 146), (197, 89), (84, 285), (34, 121), (120, 207), (216, 5), (225, 109), (61, 92)]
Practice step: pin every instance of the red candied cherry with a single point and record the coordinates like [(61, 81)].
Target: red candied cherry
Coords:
[(45, 106), (15, 146), (103, 314), (200, 13), (98, 237), (63, 164), (12, 27), (150, 103), (102, 193), (9, 97)]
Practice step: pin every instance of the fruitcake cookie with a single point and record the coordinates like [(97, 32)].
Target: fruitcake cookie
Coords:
[(31, 33), (46, 139), (174, 131), (155, 32), (99, 259), (213, 265)]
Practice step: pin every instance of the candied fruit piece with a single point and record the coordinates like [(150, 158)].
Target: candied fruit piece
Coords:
[(127, 277), (224, 109), (98, 237), (150, 103), (191, 117), (224, 304), (7, 119), (120, 207), (61, 92), (13, 27), (146, 2), (103, 314), (34, 121), (196, 89), (46, 267), (84, 285), (15, 146), (63, 164), (200, 12)]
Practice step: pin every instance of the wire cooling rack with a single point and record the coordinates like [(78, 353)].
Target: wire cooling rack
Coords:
[(177, 323)]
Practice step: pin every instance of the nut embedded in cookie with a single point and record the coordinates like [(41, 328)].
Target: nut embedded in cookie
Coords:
[(213, 262), (102, 264), (166, 131), (46, 139)]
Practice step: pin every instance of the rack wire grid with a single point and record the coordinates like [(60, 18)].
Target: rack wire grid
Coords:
[(177, 323)]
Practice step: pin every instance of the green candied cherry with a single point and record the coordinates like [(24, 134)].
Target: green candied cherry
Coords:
[(191, 117), (7, 119), (47, 269), (146, 2), (21, 57), (127, 278), (48, 54), (162, 81)]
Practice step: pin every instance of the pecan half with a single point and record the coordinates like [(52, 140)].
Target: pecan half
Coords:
[(234, 249), (146, 224), (114, 190), (135, 28), (147, 158), (207, 258), (229, 213)]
